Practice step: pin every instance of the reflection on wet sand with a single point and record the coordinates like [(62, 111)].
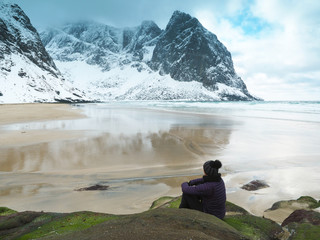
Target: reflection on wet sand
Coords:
[(141, 154), (178, 146)]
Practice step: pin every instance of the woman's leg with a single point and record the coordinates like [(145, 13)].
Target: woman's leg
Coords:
[(191, 202)]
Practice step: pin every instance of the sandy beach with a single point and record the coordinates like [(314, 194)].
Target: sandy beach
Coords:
[(49, 150)]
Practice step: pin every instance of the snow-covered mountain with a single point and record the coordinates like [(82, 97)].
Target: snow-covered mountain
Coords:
[(184, 61), (27, 72)]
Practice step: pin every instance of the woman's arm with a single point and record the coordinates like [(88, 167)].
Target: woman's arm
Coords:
[(194, 190), (196, 181)]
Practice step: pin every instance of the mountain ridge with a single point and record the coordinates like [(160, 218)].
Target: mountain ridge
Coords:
[(89, 61), (184, 52)]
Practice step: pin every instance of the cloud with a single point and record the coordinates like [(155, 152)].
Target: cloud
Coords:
[(274, 46)]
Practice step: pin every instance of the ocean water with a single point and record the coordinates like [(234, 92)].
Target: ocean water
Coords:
[(286, 110)]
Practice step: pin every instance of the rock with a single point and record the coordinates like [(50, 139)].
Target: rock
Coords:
[(4, 211), (233, 209), (153, 224), (162, 223), (255, 227), (35, 225), (96, 187), (303, 216), (255, 185), (282, 209), (303, 224), (250, 226), (166, 202)]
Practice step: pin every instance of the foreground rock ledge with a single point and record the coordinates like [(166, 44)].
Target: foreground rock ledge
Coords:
[(162, 221)]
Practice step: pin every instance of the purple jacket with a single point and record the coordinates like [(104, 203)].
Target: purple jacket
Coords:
[(213, 195)]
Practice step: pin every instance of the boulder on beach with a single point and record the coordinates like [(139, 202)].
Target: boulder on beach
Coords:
[(96, 187), (282, 209), (303, 224), (303, 216), (255, 185)]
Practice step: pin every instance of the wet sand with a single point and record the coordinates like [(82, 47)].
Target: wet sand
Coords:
[(17, 113), (49, 150)]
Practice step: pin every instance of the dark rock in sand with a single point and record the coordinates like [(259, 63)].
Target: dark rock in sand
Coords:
[(96, 187), (303, 216), (255, 185), (303, 224)]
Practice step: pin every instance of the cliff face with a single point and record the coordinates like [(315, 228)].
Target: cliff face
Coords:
[(27, 72), (189, 52), (17, 35)]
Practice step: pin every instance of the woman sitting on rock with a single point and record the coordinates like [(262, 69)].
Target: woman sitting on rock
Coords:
[(206, 194)]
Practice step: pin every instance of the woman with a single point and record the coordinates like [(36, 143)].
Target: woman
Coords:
[(206, 194)]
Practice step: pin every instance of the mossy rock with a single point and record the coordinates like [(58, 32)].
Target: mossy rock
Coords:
[(14, 225), (69, 223), (174, 202), (4, 211), (304, 231), (233, 209), (160, 224), (169, 202), (282, 209), (255, 227), (17, 220), (303, 216), (304, 202)]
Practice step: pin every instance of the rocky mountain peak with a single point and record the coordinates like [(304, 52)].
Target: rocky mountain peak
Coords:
[(189, 52), (27, 72), (180, 18), (146, 35), (18, 33)]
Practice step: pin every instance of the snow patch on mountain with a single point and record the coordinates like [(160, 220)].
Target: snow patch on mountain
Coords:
[(26, 82), (27, 72), (128, 83)]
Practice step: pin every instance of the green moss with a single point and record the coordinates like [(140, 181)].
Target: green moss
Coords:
[(70, 223), (4, 211), (157, 203), (254, 227), (175, 203), (235, 209), (166, 202), (310, 201), (306, 231)]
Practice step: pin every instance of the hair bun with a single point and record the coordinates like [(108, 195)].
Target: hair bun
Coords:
[(216, 164)]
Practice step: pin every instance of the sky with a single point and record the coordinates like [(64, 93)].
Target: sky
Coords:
[(275, 44)]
